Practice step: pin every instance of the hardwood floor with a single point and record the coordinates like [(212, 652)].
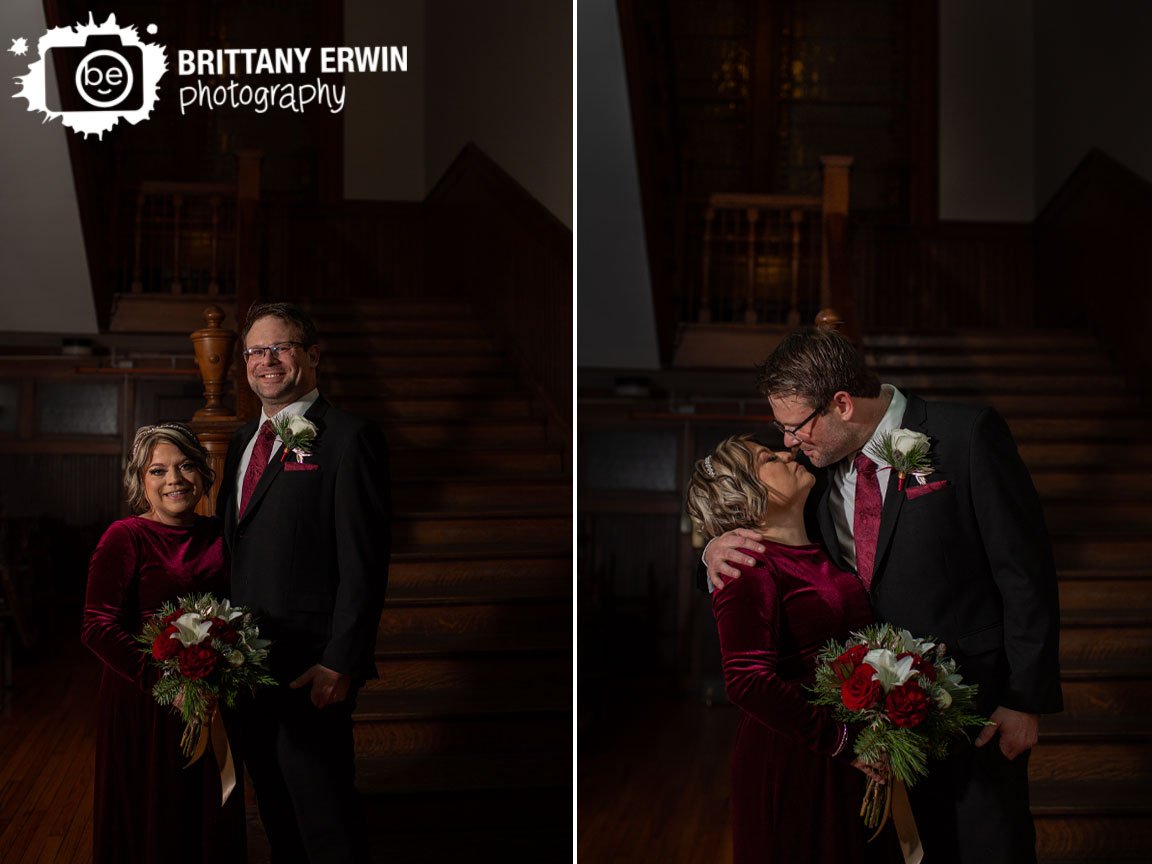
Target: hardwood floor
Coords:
[(47, 741), (653, 781)]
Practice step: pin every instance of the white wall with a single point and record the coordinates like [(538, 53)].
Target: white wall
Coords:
[(987, 93), (1094, 73), (44, 286), (499, 74), (614, 314), (384, 142)]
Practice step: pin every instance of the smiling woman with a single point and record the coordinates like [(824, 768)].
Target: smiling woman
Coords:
[(143, 796)]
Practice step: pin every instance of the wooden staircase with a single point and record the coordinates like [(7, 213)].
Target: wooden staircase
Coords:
[(465, 740), (1088, 443)]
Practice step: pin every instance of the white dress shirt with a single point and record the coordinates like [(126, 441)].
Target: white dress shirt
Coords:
[(842, 496), (296, 409)]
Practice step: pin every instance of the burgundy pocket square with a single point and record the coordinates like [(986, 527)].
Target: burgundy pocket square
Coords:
[(301, 466), (915, 490)]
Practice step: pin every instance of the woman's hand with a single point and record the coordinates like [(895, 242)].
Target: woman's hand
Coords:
[(876, 771), (720, 554)]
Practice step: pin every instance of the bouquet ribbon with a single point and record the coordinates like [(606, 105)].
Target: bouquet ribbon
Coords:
[(214, 732), (906, 824)]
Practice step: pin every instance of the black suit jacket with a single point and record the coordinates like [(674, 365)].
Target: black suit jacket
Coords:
[(310, 554), (971, 562)]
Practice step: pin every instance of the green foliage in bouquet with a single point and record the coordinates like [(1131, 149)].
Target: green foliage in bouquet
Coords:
[(905, 697), (207, 650)]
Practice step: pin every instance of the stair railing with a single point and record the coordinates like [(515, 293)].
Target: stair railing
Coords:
[(773, 258)]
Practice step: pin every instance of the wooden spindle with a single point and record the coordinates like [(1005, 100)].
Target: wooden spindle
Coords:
[(213, 347), (177, 203), (794, 295), (137, 280), (213, 280), (750, 317), (704, 312)]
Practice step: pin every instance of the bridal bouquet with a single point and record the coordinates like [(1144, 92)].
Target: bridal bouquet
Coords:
[(208, 652), (907, 698)]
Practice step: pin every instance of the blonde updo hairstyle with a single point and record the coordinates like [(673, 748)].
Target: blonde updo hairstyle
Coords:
[(734, 497), (147, 437)]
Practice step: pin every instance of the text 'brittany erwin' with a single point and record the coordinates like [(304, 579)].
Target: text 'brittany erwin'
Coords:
[(292, 61)]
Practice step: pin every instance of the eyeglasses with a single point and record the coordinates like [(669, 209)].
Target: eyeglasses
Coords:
[(794, 430), (274, 350)]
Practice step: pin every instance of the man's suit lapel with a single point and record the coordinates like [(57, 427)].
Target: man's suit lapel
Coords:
[(824, 518), (914, 418), (276, 466)]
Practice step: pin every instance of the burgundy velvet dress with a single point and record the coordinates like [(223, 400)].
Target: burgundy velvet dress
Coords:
[(147, 806), (792, 801)]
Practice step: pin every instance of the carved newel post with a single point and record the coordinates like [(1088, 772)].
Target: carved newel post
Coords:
[(214, 424), (213, 346)]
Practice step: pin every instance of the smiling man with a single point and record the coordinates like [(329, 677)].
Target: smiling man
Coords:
[(961, 554), (308, 532)]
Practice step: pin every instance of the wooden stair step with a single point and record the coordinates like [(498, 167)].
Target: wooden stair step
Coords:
[(453, 408), (478, 572), (1094, 551), (1005, 382), (1085, 456), (1097, 821), (540, 731), (407, 462), (1109, 516), (1026, 405), (1079, 760), (1094, 689), (537, 681), (1105, 589), (465, 626), (885, 361), (527, 826), (361, 351), (356, 310), (520, 529), (426, 386), (387, 774), (1101, 636), (380, 326), (488, 493), (1054, 341), (430, 433), (1112, 429), (341, 366), (1133, 484)]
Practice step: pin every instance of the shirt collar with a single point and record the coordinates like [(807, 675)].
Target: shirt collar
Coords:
[(890, 422), (298, 408)]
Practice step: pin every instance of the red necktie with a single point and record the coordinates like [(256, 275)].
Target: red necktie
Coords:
[(866, 521), (261, 453)]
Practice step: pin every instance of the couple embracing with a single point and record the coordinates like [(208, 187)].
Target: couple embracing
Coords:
[(813, 539), (302, 543)]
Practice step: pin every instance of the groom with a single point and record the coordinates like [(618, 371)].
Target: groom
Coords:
[(963, 556), (308, 533)]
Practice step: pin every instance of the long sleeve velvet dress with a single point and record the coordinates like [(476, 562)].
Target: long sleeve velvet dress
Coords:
[(792, 801), (147, 806)]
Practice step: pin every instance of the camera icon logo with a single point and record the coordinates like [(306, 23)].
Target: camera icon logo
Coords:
[(108, 74), (105, 73)]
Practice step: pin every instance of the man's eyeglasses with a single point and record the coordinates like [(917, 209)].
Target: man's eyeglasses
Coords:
[(794, 430), (259, 351)]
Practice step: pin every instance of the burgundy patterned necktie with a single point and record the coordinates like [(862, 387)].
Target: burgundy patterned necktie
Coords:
[(261, 453), (866, 521)]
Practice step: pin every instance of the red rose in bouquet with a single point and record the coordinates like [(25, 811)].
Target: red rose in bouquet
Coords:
[(164, 645), (905, 700), (861, 690), (208, 653), (849, 661), (907, 705)]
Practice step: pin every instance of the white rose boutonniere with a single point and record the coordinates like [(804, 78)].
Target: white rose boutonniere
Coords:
[(297, 435), (905, 452)]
